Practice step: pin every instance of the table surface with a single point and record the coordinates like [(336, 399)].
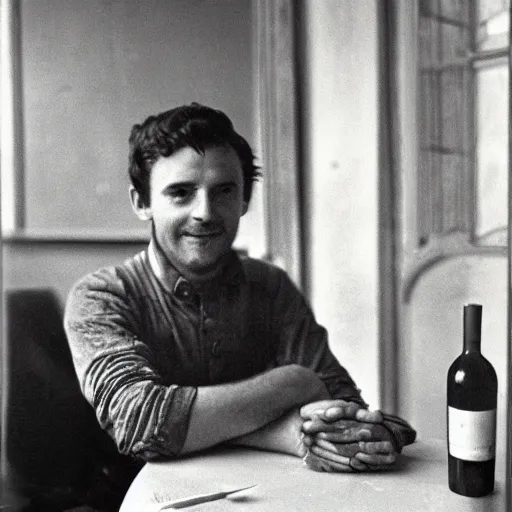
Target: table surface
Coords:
[(418, 482)]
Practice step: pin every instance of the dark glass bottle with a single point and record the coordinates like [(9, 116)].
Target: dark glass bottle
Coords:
[(472, 393)]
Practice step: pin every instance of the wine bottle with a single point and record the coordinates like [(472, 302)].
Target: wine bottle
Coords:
[(472, 393)]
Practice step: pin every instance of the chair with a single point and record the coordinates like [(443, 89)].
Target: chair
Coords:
[(53, 450)]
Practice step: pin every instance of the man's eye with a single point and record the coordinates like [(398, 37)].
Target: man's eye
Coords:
[(180, 194), (227, 190)]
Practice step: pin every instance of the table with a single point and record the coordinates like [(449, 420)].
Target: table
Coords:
[(418, 482)]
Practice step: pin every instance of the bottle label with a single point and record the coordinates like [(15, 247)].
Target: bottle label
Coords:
[(472, 434)]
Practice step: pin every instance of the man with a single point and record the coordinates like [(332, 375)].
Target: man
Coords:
[(186, 345)]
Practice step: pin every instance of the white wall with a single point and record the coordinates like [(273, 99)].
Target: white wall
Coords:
[(339, 91), (93, 69), (431, 338)]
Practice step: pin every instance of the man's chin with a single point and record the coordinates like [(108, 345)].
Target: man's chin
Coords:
[(202, 269)]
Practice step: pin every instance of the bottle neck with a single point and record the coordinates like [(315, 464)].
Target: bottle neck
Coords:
[(472, 328), (472, 345)]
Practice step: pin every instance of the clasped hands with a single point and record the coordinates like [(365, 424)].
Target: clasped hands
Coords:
[(342, 436)]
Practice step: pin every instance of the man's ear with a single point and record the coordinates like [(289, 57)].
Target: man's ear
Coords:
[(142, 211)]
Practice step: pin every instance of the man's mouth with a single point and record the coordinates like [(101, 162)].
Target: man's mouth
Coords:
[(203, 234)]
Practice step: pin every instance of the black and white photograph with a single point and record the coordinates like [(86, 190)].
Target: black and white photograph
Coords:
[(255, 255)]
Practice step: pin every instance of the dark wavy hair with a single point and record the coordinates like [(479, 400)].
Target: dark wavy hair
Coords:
[(195, 126)]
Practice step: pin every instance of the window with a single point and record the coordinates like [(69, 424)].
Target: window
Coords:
[(463, 81)]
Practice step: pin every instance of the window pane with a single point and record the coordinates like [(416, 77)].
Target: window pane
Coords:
[(493, 24), (492, 154), (445, 113)]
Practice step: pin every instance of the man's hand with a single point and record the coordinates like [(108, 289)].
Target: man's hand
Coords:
[(342, 436), (362, 446), (331, 410)]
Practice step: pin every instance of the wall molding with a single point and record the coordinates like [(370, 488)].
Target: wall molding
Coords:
[(278, 125), (11, 138), (508, 475), (388, 319)]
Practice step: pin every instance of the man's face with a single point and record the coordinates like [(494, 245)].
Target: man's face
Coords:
[(196, 202)]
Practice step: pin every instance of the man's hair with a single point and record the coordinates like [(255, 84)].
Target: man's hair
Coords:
[(195, 126)]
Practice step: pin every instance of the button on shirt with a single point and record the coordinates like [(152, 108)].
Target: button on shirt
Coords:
[(143, 339)]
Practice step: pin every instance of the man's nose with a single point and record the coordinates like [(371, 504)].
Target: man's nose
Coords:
[(203, 207)]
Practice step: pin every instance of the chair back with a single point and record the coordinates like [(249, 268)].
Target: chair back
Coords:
[(48, 426)]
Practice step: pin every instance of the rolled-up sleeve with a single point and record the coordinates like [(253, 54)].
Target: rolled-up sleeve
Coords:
[(114, 366)]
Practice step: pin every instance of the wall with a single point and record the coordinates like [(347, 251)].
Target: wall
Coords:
[(89, 72), (58, 265), (339, 55), (431, 338)]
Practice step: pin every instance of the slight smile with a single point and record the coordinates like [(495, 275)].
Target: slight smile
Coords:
[(203, 235)]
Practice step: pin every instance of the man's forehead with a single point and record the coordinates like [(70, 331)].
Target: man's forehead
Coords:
[(216, 164)]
